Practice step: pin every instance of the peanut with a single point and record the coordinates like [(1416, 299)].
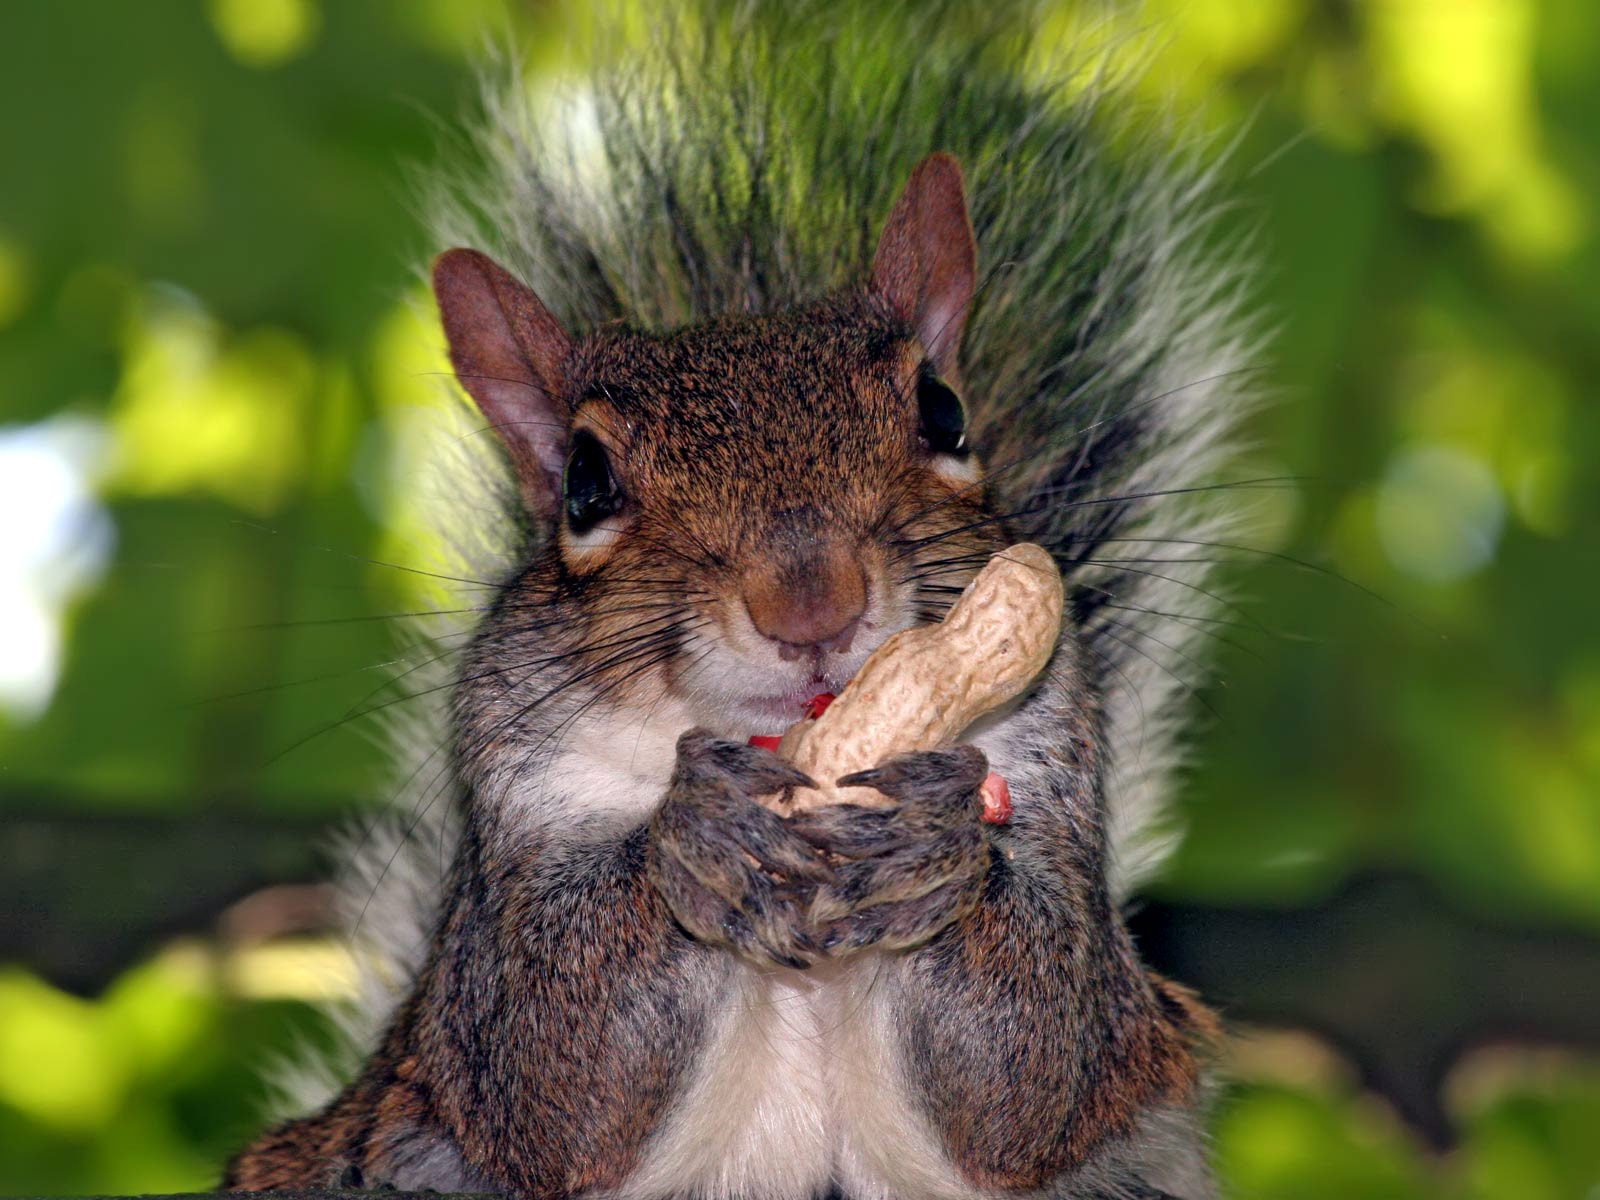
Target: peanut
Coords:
[(924, 686)]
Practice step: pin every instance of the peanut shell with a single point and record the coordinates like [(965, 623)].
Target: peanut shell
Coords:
[(924, 686)]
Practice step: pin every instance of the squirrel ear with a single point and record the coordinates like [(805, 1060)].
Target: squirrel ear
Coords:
[(510, 354), (927, 261)]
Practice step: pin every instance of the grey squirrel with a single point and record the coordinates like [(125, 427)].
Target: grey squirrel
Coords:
[(775, 369)]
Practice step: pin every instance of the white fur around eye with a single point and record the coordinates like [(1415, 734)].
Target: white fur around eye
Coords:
[(602, 536), (959, 469)]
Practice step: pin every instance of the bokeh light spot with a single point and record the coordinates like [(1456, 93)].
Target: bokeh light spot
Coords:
[(56, 1065), (1439, 513), (55, 540), (15, 281), (1458, 78), (265, 33), (198, 411)]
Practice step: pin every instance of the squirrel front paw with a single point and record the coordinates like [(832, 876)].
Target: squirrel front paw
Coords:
[(730, 870), (912, 869)]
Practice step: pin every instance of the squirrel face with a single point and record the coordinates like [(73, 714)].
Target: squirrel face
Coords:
[(755, 503), (777, 471)]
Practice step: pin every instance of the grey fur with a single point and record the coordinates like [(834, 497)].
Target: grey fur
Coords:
[(1103, 360)]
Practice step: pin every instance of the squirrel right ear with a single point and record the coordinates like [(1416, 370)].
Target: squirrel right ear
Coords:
[(510, 354), (926, 266)]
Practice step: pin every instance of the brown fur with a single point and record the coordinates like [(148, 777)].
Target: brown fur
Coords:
[(508, 1050), (571, 988), (1034, 1034)]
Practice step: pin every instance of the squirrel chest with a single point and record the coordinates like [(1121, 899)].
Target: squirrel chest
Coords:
[(799, 1089)]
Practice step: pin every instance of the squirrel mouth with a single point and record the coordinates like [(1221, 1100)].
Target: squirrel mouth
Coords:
[(785, 708)]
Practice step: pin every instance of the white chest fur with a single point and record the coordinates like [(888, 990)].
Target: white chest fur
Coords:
[(799, 1087), (757, 1120)]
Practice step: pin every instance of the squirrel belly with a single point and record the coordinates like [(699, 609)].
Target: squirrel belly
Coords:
[(771, 375)]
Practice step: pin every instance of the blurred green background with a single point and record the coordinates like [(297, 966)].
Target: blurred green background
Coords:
[(214, 358)]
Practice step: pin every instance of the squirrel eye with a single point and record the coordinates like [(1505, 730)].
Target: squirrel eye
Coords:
[(588, 491), (944, 421)]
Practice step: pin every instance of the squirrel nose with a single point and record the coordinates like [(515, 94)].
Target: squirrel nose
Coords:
[(812, 601)]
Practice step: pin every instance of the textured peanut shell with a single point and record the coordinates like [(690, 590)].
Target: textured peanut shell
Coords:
[(924, 686)]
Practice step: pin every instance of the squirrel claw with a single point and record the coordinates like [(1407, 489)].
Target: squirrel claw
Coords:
[(952, 775)]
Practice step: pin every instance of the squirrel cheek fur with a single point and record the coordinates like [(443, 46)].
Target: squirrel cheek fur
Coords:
[(641, 982)]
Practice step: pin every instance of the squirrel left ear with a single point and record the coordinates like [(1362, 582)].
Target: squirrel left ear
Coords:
[(510, 354), (926, 266)]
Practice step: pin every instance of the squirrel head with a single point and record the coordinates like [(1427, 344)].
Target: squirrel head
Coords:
[(767, 482)]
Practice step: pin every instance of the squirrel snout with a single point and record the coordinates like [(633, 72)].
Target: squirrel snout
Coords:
[(809, 602)]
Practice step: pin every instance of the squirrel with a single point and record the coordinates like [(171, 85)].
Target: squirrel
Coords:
[(775, 364)]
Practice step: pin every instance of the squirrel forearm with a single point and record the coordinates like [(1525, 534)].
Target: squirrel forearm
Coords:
[(562, 1012), (1030, 1034), (550, 1031)]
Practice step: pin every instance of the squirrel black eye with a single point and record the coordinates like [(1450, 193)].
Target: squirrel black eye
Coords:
[(944, 421), (588, 491)]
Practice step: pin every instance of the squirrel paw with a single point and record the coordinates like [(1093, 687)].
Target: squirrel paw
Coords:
[(730, 870), (914, 868)]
